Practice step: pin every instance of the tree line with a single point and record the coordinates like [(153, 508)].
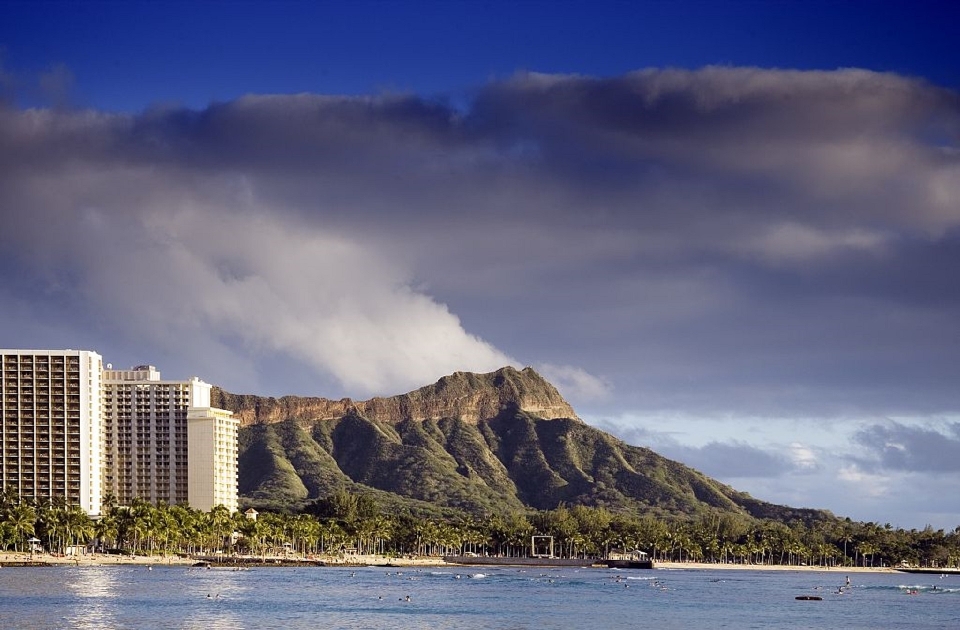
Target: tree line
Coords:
[(347, 523)]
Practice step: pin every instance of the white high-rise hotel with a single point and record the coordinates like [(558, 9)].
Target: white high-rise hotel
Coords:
[(76, 430)]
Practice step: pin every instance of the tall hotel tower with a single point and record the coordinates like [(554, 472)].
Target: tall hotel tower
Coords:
[(165, 443), (52, 428), (73, 429)]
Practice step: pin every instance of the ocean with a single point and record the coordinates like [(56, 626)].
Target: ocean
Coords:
[(138, 597)]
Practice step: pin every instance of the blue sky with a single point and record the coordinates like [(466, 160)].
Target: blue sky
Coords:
[(129, 55), (727, 231)]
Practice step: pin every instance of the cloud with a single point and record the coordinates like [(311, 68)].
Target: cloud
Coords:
[(574, 382), (803, 457), (903, 448), (801, 464), (724, 460), (868, 484), (728, 240), (733, 460), (199, 263), (56, 85), (793, 242)]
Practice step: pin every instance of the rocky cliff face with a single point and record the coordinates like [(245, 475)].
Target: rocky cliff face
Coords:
[(484, 443), (463, 395)]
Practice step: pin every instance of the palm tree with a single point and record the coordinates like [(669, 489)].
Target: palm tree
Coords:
[(182, 523), (221, 520), (867, 549), (79, 527), (164, 527), (105, 529), (21, 520), (141, 516), (845, 536), (6, 534), (50, 526), (253, 532), (383, 530)]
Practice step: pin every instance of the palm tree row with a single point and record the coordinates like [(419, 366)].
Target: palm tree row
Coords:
[(349, 523)]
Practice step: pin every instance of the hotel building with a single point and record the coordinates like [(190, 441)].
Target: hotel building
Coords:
[(152, 450), (145, 437), (212, 457), (52, 428)]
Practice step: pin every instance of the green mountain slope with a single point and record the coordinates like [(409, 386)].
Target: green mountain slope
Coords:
[(294, 450)]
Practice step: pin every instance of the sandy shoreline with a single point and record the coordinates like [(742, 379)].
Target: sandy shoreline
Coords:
[(90, 559), (701, 566), (95, 559)]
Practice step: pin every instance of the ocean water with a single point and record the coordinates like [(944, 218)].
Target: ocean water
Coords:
[(467, 597)]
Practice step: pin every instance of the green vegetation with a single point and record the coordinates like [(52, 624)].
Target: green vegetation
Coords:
[(511, 462), (348, 522)]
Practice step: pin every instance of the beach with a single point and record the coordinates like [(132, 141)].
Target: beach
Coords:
[(98, 559), (708, 566), (8, 558)]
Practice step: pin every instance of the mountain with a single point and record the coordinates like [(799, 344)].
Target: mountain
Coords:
[(465, 395), (482, 443)]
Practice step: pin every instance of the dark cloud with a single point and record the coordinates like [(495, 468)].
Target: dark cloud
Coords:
[(898, 447), (732, 460), (721, 460), (729, 239)]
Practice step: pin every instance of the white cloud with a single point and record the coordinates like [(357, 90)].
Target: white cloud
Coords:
[(802, 456), (871, 485), (209, 270), (575, 383), (795, 243)]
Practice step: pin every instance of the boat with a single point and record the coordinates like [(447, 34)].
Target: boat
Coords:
[(628, 564), (934, 571), (634, 559)]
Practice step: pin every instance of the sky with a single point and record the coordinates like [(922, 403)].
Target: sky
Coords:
[(726, 231)]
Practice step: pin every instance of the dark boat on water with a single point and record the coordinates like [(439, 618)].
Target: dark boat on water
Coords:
[(934, 571), (628, 564), (635, 559)]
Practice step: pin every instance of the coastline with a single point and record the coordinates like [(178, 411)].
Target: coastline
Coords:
[(10, 558), (96, 559), (21, 559), (707, 566)]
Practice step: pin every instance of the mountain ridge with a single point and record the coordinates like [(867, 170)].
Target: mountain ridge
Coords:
[(481, 443), (465, 395)]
